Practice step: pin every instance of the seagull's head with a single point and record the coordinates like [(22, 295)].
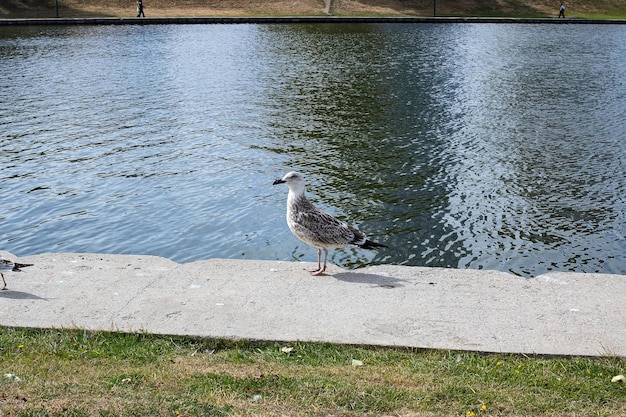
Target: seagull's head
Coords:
[(294, 180)]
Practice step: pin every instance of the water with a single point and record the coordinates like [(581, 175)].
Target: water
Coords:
[(468, 146)]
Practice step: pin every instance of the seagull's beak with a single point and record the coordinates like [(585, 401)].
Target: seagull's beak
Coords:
[(279, 182)]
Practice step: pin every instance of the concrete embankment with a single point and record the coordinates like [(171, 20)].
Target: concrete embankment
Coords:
[(556, 314), (292, 19)]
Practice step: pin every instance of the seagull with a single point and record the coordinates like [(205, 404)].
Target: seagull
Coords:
[(6, 265), (317, 228)]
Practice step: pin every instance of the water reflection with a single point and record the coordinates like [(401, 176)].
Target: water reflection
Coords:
[(472, 146), (529, 157)]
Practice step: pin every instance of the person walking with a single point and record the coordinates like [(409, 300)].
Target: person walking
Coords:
[(562, 11), (140, 8)]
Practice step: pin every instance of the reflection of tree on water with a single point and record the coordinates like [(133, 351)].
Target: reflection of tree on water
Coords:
[(361, 117), (324, 110)]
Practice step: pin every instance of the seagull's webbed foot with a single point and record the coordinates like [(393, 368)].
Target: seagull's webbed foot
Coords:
[(319, 272)]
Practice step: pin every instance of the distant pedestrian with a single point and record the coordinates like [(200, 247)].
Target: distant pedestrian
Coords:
[(140, 9), (562, 11)]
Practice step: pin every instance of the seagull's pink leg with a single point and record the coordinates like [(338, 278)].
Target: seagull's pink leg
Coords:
[(319, 264), (320, 271)]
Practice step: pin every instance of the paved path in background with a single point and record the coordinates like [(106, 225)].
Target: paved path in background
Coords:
[(557, 313), (327, 4)]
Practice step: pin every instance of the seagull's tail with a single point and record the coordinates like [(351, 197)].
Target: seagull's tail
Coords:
[(16, 266), (372, 245)]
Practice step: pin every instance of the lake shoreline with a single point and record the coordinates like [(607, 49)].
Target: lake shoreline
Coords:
[(292, 20)]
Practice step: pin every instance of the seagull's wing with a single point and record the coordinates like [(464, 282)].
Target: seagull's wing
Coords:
[(328, 231)]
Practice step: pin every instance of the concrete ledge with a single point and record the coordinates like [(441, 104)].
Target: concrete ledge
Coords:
[(555, 314), (292, 19)]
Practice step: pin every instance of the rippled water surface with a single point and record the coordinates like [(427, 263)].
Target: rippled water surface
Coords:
[(470, 146)]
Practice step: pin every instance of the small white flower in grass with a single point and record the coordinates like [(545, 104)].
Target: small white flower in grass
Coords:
[(286, 349)]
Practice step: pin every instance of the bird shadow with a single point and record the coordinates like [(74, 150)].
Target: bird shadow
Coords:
[(372, 279), (20, 295)]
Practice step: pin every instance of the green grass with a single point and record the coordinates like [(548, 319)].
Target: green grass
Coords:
[(79, 373), (599, 16)]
